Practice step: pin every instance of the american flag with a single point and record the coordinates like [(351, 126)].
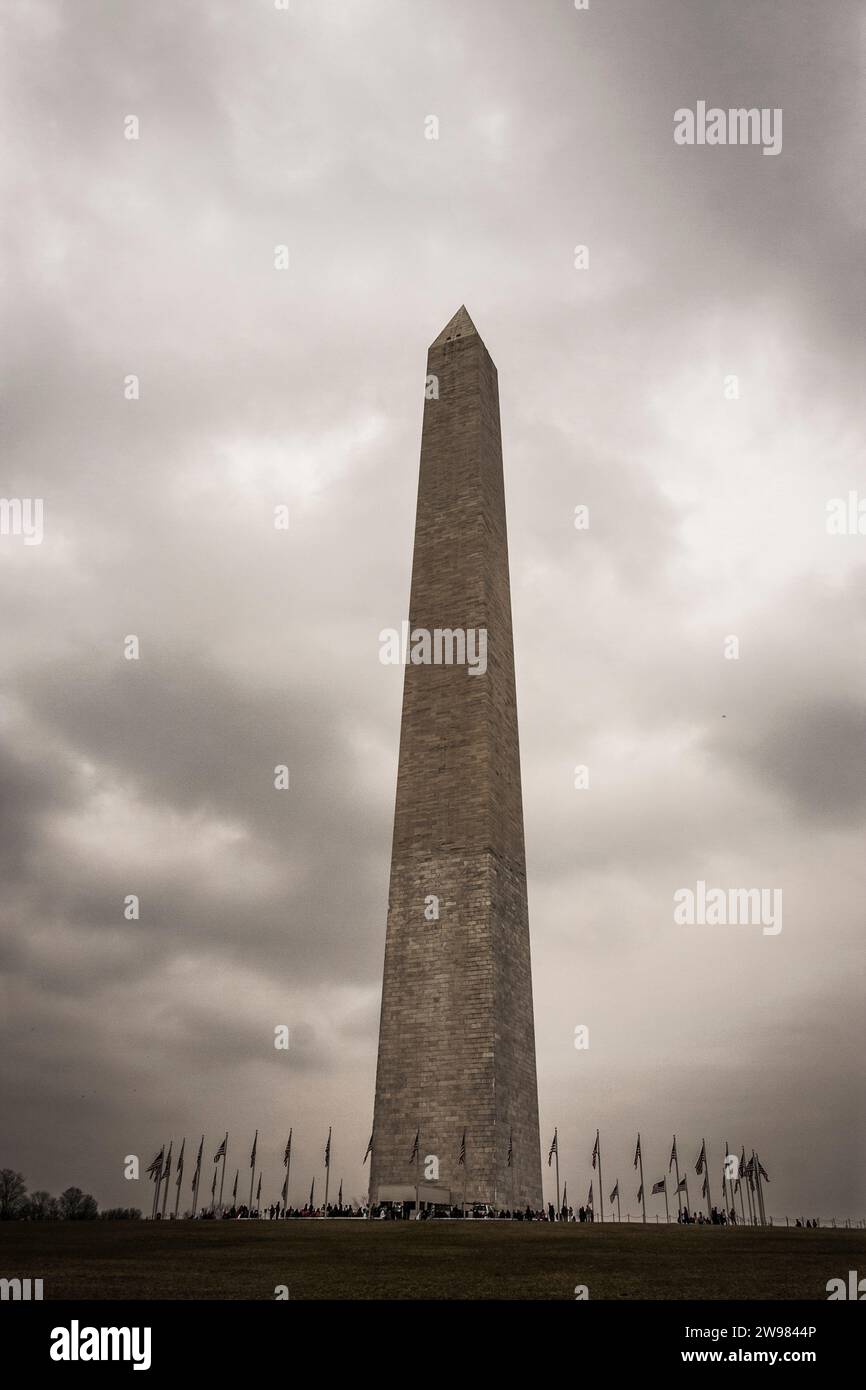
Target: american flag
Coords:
[(640, 1193), (510, 1159), (221, 1151), (595, 1150), (259, 1188), (554, 1148), (253, 1154), (637, 1153), (702, 1158), (287, 1155), (705, 1185), (198, 1165), (659, 1186), (681, 1185), (763, 1172), (614, 1195), (461, 1157), (180, 1165), (589, 1202), (155, 1169), (328, 1151), (673, 1155), (369, 1149), (235, 1188), (415, 1147)]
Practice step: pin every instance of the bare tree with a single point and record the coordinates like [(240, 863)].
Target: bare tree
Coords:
[(13, 1191), (76, 1205)]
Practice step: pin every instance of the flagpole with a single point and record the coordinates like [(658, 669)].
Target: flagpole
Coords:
[(223, 1177), (197, 1178), (167, 1176), (557, 1173), (741, 1181), (642, 1188), (288, 1173), (327, 1169), (667, 1209), (418, 1173), (760, 1190), (157, 1183), (179, 1176), (707, 1178), (253, 1169), (600, 1179), (677, 1171), (730, 1184), (618, 1202)]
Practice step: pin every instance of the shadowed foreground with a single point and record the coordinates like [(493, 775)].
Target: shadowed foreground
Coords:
[(402, 1260)]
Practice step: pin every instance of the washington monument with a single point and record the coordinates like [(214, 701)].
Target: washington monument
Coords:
[(456, 1112)]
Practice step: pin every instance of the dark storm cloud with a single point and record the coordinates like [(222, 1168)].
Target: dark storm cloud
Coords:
[(155, 257)]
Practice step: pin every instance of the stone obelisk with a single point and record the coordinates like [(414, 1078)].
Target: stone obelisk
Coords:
[(456, 1036)]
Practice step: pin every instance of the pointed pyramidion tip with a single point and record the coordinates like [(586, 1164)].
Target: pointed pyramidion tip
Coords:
[(460, 326)]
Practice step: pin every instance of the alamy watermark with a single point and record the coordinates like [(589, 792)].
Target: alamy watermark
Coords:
[(719, 907), (22, 516), (737, 126), (444, 646)]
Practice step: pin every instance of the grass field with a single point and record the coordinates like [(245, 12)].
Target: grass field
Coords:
[(402, 1260)]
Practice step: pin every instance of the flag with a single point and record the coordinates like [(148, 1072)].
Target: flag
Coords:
[(166, 1172), (195, 1175), (741, 1170), (259, 1190), (312, 1190), (253, 1154), (659, 1186), (565, 1194), (673, 1158), (221, 1151), (369, 1149), (509, 1162), (640, 1193), (461, 1157), (180, 1164), (340, 1194), (155, 1169), (702, 1158), (681, 1185), (554, 1148), (235, 1188), (287, 1155), (589, 1198), (763, 1172), (705, 1184), (415, 1147), (328, 1150), (595, 1150), (614, 1196), (213, 1185), (285, 1192), (637, 1153)]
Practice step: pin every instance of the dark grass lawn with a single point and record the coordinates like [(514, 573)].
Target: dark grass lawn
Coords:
[(402, 1260)]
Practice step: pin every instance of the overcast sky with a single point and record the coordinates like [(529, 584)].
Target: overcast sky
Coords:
[(259, 387)]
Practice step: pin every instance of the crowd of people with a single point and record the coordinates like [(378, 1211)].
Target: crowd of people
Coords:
[(404, 1211)]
